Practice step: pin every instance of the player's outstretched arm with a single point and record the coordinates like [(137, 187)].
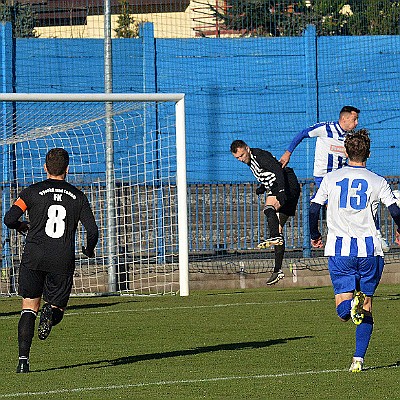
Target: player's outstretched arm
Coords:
[(293, 144), (284, 160)]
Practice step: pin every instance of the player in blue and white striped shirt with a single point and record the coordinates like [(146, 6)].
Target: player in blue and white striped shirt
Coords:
[(329, 149), (353, 244)]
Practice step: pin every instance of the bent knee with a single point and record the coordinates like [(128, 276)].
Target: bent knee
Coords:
[(343, 310)]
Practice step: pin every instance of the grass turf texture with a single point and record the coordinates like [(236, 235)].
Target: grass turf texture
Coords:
[(251, 344)]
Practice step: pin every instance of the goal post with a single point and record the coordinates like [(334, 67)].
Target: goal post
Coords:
[(128, 154)]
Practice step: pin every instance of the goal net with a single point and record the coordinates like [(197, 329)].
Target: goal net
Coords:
[(127, 154)]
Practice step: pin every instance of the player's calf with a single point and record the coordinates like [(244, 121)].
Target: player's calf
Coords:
[(26, 329), (272, 220)]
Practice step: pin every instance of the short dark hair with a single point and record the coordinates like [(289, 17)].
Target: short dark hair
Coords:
[(237, 144), (358, 145), (57, 161), (349, 109)]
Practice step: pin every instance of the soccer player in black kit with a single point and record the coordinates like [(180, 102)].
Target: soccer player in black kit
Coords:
[(283, 191), (48, 261)]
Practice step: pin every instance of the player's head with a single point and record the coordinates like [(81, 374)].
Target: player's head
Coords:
[(358, 145), (348, 118), (57, 161), (241, 151)]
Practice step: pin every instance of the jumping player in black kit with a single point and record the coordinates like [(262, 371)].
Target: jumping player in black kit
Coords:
[(283, 191), (48, 261)]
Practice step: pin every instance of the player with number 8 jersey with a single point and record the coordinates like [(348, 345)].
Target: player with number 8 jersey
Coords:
[(55, 208)]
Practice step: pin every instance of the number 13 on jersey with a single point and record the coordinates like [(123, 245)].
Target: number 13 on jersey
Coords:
[(358, 199)]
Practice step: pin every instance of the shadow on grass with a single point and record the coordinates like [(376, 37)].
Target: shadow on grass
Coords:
[(91, 305), (394, 365), (179, 353), (390, 297)]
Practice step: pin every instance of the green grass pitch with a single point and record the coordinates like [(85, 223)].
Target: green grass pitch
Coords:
[(234, 344)]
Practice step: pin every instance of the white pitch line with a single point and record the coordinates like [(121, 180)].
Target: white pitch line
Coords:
[(74, 313), (167, 383), (178, 382), (194, 307)]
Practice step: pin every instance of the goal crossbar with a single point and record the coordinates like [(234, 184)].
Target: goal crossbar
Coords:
[(95, 97)]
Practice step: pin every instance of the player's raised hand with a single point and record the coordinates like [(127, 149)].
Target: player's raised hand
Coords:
[(317, 243), (284, 160)]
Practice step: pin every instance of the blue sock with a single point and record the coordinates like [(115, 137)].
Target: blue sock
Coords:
[(363, 335), (343, 309)]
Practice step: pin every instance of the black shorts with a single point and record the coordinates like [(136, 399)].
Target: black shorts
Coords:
[(292, 191), (55, 288)]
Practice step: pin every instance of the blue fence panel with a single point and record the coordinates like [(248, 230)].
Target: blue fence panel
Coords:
[(263, 90)]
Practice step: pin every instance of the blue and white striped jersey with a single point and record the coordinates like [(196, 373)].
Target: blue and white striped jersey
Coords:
[(329, 148), (353, 195)]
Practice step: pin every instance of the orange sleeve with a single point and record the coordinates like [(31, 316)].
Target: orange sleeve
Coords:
[(21, 204)]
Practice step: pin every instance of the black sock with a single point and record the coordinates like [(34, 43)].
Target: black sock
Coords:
[(26, 331), (273, 221)]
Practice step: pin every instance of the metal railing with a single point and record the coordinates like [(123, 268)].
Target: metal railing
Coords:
[(225, 224), (229, 217)]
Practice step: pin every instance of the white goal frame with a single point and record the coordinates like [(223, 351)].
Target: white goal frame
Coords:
[(181, 185)]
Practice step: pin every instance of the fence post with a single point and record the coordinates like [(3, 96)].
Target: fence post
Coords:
[(306, 228), (149, 58), (312, 111)]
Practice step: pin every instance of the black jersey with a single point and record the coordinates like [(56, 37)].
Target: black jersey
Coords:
[(269, 172), (54, 207)]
